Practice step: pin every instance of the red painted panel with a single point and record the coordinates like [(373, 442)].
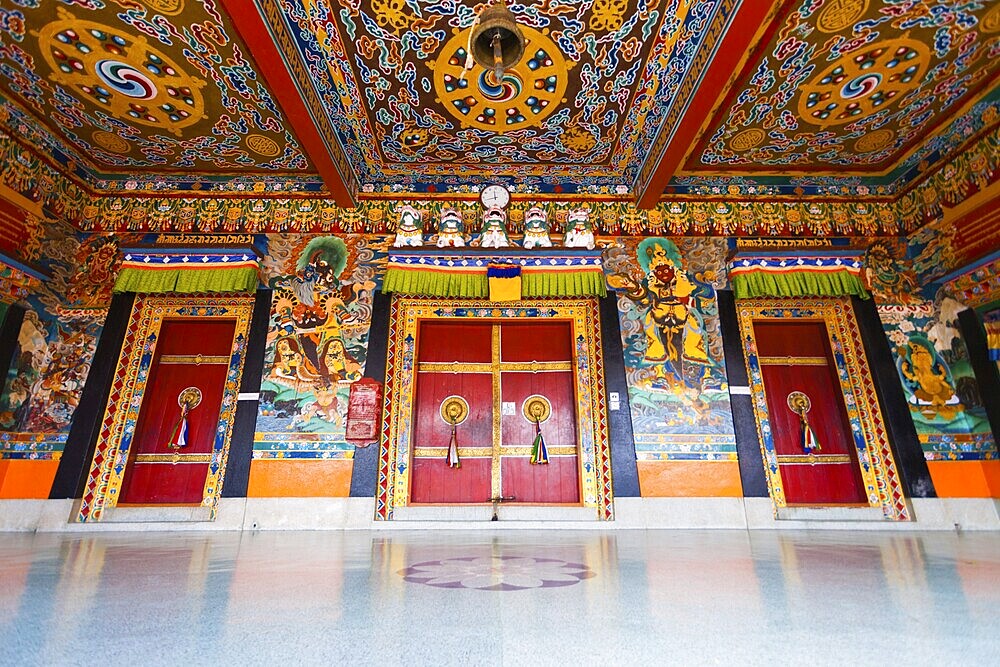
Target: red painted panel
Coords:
[(430, 430), (432, 481), (789, 338), (808, 484), (536, 341), (822, 483), (206, 336), (556, 482), (155, 482), (557, 387), (183, 483), (455, 341), (827, 417)]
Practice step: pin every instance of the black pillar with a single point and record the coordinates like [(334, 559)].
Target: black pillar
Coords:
[(889, 389), (237, 478), (365, 472), (624, 470), (984, 368), (9, 332), (71, 476), (752, 473)]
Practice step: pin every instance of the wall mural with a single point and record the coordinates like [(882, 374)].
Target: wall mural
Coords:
[(933, 363), (672, 342), (317, 341), (57, 341)]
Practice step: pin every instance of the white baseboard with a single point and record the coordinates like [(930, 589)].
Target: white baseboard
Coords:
[(235, 514)]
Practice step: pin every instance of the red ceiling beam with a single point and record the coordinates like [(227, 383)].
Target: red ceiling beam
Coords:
[(269, 62), (741, 37)]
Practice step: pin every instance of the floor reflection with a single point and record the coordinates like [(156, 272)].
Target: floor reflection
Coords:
[(511, 597)]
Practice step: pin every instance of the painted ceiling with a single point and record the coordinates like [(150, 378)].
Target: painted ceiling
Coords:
[(824, 98), (136, 91), (859, 86)]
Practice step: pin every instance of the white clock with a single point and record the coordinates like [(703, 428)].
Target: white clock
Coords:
[(494, 196)]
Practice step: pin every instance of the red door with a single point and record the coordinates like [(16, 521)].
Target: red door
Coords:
[(494, 368), (536, 361), (796, 357), (189, 353), (454, 360)]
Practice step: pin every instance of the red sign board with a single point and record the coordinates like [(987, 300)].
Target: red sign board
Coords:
[(364, 412)]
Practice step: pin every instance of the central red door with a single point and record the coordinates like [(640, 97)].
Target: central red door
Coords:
[(189, 353), (495, 367), (796, 357)]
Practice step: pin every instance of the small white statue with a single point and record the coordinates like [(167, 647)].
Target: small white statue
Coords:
[(536, 228), (451, 229), (410, 230), (494, 233), (579, 234)]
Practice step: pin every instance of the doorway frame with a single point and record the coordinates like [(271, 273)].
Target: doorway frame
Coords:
[(592, 423), (874, 454), (124, 400)]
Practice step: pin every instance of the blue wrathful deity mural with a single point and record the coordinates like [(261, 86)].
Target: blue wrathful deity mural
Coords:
[(316, 344)]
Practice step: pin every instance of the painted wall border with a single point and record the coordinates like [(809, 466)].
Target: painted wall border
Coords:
[(878, 468), (125, 400), (592, 424)]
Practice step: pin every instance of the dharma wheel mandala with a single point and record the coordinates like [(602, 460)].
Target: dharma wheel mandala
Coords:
[(123, 76)]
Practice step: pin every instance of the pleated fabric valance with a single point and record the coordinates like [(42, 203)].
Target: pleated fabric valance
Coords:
[(469, 275), (187, 273), (993, 339), (753, 277)]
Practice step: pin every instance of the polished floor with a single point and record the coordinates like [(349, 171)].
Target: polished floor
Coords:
[(506, 598)]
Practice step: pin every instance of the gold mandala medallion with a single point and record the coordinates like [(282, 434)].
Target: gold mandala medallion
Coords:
[(121, 74), (578, 139), (607, 15), (863, 82), (166, 7), (262, 145), (528, 93), (874, 141), (111, 142), (747, 139), (991, 22), (837, 15)]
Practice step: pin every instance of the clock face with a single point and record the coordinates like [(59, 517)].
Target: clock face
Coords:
[(494, 195)]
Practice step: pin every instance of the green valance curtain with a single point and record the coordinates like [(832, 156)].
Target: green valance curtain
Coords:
[(186, 280), (414, 282), (804, 283), (564, 283), (469, 285), (787, 276), (512, 274)]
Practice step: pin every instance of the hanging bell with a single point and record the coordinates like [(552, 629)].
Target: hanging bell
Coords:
[(497, 42)]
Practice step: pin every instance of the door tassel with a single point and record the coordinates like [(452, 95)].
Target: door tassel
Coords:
[(179, 437), (539, 453), (810, 444), (452, 458)]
